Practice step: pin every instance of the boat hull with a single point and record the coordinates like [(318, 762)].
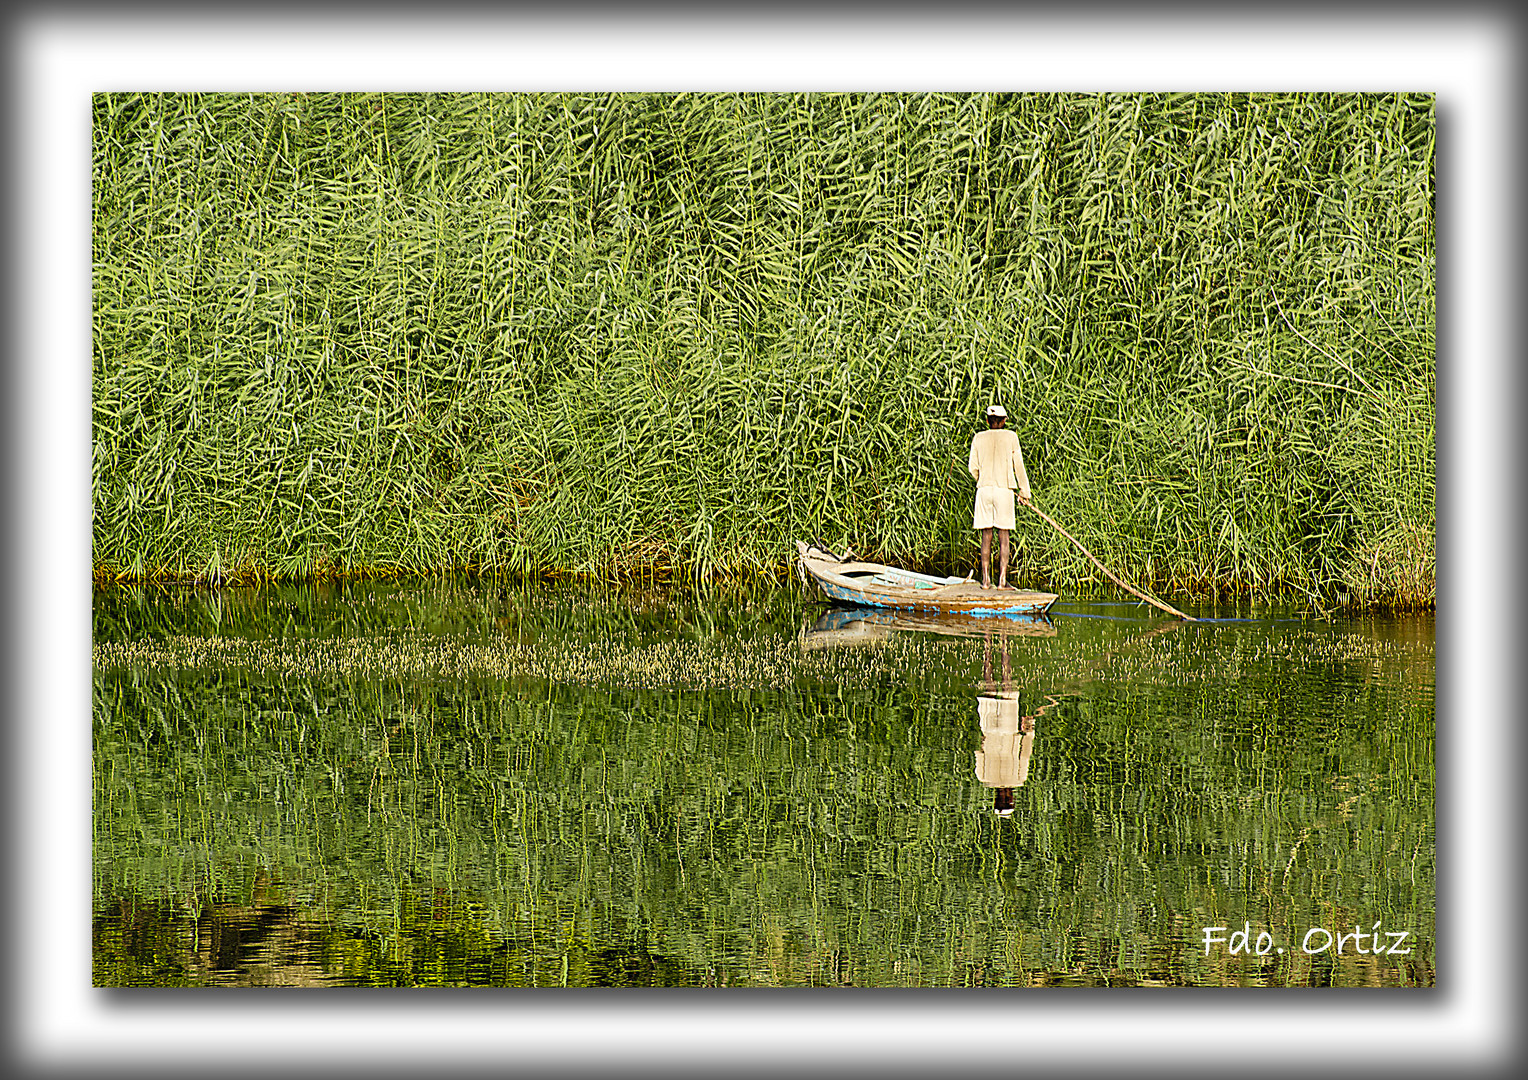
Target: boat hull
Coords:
[(864, 584)]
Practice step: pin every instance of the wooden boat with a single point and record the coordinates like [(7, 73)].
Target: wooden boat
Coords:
[(867, 626), (866, 584)]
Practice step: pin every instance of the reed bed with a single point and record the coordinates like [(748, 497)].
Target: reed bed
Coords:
[(656, 336)]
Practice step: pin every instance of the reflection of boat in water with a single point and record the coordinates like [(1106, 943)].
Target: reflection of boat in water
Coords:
[(840, 626), (868, 584), (859, 626)]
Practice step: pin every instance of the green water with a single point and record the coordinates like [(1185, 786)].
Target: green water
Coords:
[(466, 784)]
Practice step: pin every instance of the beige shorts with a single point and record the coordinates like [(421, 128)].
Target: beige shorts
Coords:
[(994, 508)]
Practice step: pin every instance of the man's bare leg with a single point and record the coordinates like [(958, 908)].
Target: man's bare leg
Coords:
[(1002, 544), (986, 558)]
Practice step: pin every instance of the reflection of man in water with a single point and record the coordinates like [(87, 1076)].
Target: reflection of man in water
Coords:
[(1007, 738)]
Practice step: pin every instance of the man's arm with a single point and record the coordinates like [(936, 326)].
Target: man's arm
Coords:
[(1018, 471)]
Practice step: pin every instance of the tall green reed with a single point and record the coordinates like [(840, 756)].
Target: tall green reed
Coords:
[(606, 333)]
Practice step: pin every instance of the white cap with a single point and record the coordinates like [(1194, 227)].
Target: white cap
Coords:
[(996, 410)]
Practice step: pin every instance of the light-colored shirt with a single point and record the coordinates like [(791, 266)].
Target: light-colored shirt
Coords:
[(997, 461)]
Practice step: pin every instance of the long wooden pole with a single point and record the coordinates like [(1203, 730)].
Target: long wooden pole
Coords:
[(1112, 576)]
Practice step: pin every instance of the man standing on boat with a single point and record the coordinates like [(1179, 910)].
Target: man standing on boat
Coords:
[(997, 465)]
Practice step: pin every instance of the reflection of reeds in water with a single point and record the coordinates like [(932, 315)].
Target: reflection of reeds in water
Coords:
[(793, 838), (258, 940), (776, 663), (644, 335), (605, 823), (773, 661)]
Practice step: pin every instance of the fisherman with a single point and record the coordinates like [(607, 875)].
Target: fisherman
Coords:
[(997, 465)]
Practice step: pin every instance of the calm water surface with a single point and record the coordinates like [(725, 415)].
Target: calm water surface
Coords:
[(462, 784)]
